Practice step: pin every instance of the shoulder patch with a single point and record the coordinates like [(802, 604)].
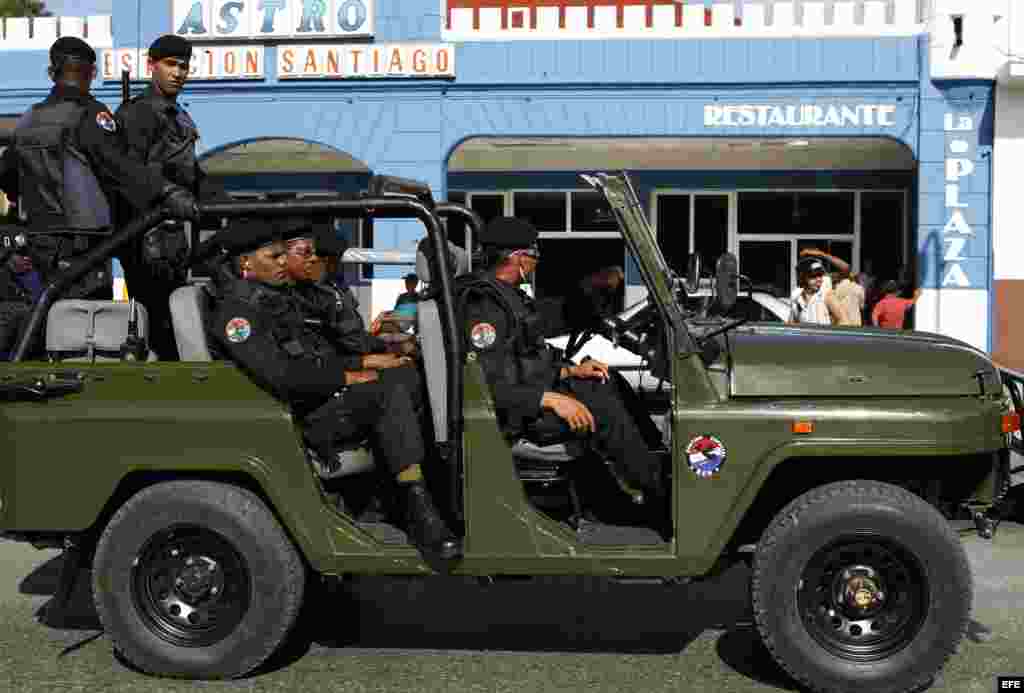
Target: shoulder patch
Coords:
[(238, 330), (483, 335), (106, 121)]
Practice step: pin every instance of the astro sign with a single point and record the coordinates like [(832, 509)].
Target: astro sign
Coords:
[(199, 20)]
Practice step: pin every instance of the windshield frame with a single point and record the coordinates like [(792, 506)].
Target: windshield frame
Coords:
[(658, 276)]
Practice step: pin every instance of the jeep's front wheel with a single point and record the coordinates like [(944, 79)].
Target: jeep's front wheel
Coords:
[(196, 580), (861, 585)]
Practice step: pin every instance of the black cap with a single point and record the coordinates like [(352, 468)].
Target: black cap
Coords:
[(71, 48), (244, 235), (327, 243), (810, 265), (509, 233), (170, 46), (411, 275)]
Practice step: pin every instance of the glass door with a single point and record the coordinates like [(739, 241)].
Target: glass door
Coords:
[(693, 221)]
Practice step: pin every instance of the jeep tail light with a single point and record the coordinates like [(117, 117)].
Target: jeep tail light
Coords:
[(1011, 422)]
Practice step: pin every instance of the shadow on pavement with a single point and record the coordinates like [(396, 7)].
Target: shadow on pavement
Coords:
[(78, 614), (554, 614)]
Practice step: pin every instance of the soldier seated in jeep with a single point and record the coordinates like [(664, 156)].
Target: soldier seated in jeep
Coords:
[(264, 331), (538, 395)]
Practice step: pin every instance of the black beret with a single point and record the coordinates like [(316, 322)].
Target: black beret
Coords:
[(71, 48), (327, 242), (170, 46), (510, 233), (246, 234)]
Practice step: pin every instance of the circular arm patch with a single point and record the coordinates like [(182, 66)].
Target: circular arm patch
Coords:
[(483, 335), (238, 330), (106, 121)]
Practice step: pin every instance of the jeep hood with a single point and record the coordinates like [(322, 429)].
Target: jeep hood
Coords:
[(781, 361)]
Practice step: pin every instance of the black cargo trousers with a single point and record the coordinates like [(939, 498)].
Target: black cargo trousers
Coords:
[(388, 412), (620, 435)]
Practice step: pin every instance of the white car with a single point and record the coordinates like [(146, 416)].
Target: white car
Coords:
[(757, 306)]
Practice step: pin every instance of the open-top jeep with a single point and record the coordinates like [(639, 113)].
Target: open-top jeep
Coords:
[(834, 459)]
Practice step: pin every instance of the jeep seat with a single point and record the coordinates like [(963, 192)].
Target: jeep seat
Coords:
[(189, 306), (545, 465), (81, 331)]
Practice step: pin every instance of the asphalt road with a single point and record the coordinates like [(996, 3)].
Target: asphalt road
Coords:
[(551, 635)]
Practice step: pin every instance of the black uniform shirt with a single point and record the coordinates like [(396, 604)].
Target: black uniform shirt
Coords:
[(262, 329), (493, 335), (338, 309), (152, 118), (100, 139)]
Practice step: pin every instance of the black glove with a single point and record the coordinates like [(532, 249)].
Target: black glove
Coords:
[(181, 204)]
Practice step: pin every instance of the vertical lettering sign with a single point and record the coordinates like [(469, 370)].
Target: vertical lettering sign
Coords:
[(200, 20), (961, 139)]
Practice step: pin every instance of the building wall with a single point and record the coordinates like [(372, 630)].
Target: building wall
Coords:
[(630, 87)]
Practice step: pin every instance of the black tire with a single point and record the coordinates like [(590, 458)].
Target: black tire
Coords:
[(861, 586), (243, 585)]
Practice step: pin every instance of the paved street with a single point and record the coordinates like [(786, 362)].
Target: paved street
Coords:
[(564, 634)]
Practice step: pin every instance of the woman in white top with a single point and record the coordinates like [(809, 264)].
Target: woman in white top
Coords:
[(813, 302)]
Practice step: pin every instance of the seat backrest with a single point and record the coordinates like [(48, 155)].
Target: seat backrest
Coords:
[(188, 308), (78, 330), (431, 335)]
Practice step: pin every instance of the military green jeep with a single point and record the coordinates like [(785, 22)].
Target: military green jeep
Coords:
[(832, 459)]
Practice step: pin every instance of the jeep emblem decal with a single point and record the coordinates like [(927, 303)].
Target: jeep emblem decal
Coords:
[(705, 455)]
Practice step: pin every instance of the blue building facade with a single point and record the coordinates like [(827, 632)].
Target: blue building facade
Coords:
[(864, 98)]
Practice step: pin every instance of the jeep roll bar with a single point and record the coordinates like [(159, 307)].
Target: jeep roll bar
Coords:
[(397, 207)]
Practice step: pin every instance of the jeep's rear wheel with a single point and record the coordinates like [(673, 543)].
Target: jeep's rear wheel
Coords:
[(196, 580), (860, 585)]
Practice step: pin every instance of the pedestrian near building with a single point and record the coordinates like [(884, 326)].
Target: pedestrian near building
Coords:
[(891, 311), (67, 164), (850, 295), (161, 134), (406, 302), (813, 303)]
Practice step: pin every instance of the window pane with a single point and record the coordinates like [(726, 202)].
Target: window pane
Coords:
[(488, 205), (802, 213), (590, 212), (545, 210), (882, 234), (564, 262), (455, 227), (674, 230), (711, 227), (767, 263)]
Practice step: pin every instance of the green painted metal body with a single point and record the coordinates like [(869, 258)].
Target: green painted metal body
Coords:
[(869, 395)]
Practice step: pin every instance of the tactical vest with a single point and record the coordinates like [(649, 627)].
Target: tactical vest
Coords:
[(286, 321), (175, 150), (533, 358), (59, 191)]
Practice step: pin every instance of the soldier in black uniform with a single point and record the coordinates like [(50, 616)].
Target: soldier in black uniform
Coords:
[(314, 253), (161, 134), (67, 163), (538, 395), (258, 324)]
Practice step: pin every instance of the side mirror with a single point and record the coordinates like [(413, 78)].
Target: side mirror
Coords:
[(693, 274), (726, 281)]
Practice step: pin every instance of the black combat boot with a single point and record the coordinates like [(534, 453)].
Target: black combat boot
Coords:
[(425, 526)]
